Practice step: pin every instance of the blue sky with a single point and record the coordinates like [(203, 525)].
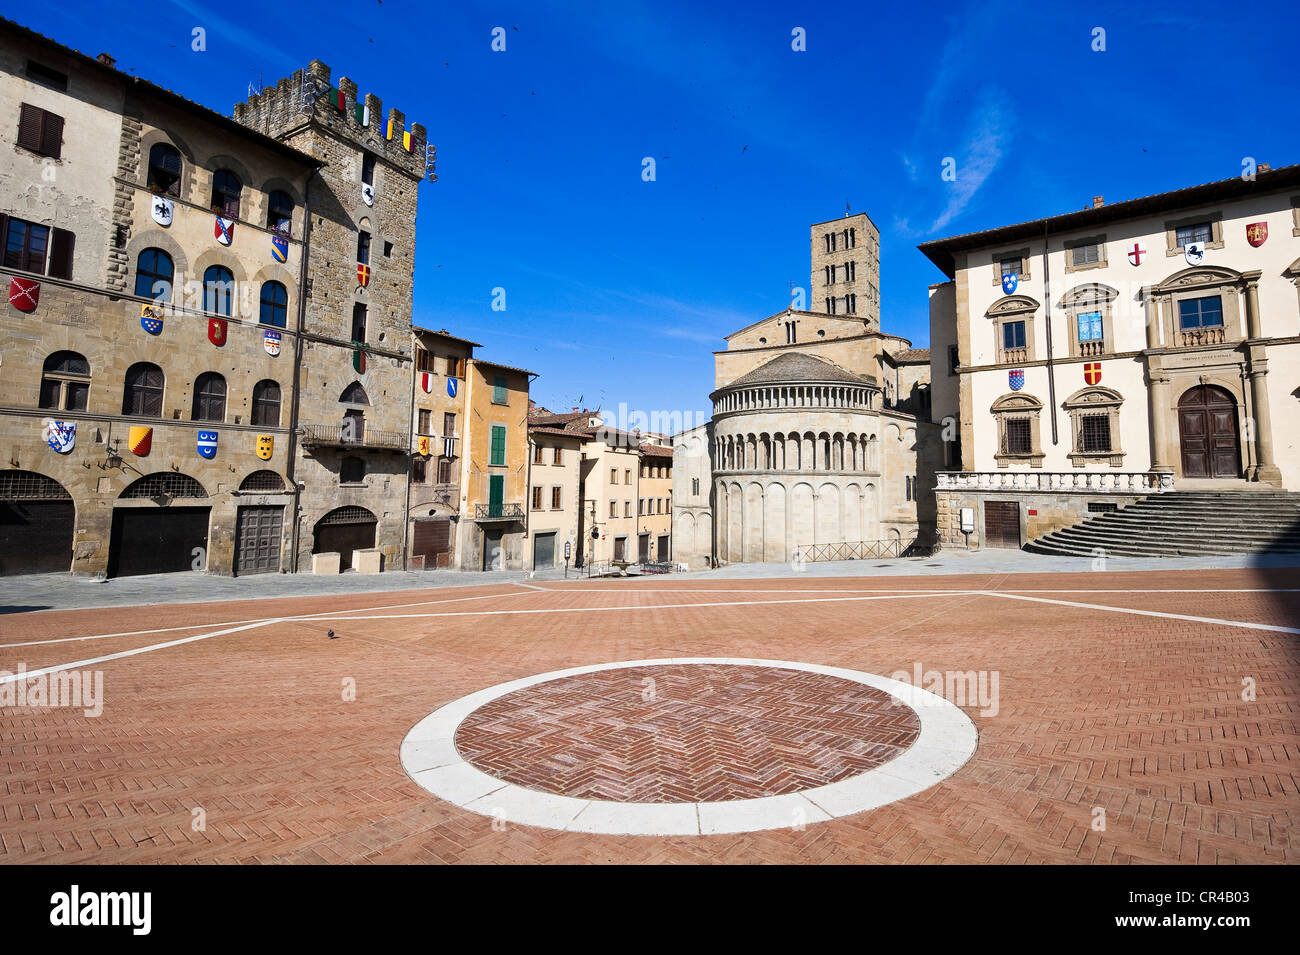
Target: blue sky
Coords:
[(617, 289)]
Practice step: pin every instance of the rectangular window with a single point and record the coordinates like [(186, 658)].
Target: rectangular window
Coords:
[(25, 246), (498, 446), (1200, 232), (1013, 335), (1017, 436), (1085, 255), (627, 508), (423, 360), (850, 304), (953, 359), (363, 247), (555, 498), (851, 272), (613, 475), (40, 131), (537, 498), (499, 394), (1089, 326), (419, 470), (424, 415), (1009, 267), (448, 424), (1094, 433), (613, 508), (911, 487), (368, 170), (695, 485), (358, 322), (557, 458), (640, 506), (627, 475), (537, 454), (47, 76), (1200, 312), (444, 470), (853, 238)]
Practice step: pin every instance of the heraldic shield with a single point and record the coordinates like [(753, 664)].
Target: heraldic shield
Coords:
[(139, 439), (265, 446)]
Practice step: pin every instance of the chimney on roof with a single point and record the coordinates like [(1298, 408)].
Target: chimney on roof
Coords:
[(1263, 167), (1098, 202), (575, 409), (106, 59)]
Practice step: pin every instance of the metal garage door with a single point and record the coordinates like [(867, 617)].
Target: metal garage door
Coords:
[(431, 539), (1001, 524), (257, 539), (35, 536), (544, 551), (158, 540)]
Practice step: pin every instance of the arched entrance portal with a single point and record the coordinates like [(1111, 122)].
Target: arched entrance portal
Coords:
[(344, 530), (36, 523), (1209, 441)]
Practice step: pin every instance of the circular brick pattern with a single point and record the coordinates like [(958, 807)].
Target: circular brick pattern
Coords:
[(808, 725), (686, 733)]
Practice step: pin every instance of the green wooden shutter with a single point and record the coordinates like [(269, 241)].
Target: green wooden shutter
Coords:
[(496, 494), (499, 390), (498, 445)]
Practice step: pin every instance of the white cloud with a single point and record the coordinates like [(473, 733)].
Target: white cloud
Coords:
[(991, 130)]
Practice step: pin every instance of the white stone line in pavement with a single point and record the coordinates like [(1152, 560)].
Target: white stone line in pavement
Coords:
[(429, 756), (900, 590), (727, 603), (232, 623), (30, 674), (1245, 624)]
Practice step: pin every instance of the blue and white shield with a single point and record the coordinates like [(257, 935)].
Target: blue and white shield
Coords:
[(207, 444), (1010, 281), (62, 436), (1016, 379), (451, 387), (271, 342)]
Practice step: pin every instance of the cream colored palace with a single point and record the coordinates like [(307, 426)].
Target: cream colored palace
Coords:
[(1088, 359)]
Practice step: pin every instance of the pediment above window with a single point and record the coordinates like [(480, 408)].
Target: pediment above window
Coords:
[(1012, 305)]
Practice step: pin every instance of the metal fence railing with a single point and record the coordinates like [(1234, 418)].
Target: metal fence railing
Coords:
[(865, 550)]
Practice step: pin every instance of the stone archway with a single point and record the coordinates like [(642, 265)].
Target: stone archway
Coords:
[(1209, 440)]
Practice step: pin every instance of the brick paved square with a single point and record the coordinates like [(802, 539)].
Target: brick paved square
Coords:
[(1161, 703)]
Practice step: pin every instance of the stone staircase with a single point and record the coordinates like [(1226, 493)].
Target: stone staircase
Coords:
[(1186, 524)]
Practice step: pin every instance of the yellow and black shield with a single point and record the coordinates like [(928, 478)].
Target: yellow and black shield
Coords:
[(265, 445)]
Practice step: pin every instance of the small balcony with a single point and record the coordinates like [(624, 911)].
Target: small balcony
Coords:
[(1014, 356), (1092, 349), (1192, 337), (332, 436), (498, 512)]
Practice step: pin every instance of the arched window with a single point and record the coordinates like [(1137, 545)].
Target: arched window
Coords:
[(354, 394), (209, 397), (279, 212), (65, 382), (153, 275), (275, 305), (266, 404), (218, 289), (352, 471), (164, 169), (262, 481), (226, 188), (143, 393)]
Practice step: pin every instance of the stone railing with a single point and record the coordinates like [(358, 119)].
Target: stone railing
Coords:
[(1091, 349), (333, 435), (1014, 356), (1091, 482), (1202, 336)]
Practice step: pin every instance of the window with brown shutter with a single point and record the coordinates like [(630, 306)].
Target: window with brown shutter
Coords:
[(61, 246), (40, 131), (25, 245)]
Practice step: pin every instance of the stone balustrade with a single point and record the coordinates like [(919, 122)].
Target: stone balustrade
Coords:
[(1093, 482)]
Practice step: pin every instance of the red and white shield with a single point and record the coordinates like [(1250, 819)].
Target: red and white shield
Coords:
[(217, 331), (24, 294), (1257, 233), (426, 382), (1136, 253)]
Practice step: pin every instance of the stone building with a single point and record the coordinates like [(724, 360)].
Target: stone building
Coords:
[(356, 390), (845, 278), (655, 503), (820, 439), (437, 443), (192, 378), (555, 479), (1088, 359)]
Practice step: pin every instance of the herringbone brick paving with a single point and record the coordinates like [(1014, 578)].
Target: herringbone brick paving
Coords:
[(1143, 717), (702, 733)]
